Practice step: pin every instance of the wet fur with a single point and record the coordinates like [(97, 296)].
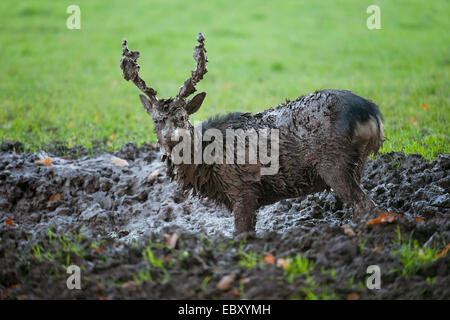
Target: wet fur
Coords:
[(325, 139)]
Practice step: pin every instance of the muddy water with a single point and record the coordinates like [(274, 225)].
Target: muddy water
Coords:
[(122, 203)]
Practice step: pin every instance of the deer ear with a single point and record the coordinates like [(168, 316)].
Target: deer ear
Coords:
[(146, 103), (195, 103)]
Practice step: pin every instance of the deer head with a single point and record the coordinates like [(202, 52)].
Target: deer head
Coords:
[(168, 114)]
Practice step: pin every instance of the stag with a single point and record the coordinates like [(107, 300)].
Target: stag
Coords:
[(324, 141)]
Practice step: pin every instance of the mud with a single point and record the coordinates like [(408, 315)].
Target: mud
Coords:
[(123, 209)]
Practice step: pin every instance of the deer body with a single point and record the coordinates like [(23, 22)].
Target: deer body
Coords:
[(325, 139)]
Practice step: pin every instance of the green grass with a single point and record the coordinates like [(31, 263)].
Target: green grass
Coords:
[(413, 256), (61, 84)]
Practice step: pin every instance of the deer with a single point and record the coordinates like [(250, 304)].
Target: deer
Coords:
[(325, 139)]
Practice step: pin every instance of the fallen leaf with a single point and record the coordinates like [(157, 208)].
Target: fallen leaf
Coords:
[(225, 282), (349, 231), (444, 252), (269, 258), (353, 296), (5, 292), (118, 162), (109, 144), (54, 197), (283, 263), (172, 241), (166, 258), (383, 218), (378, 248), (9, 222), (425, 106), (100, 249), (420, 220), (44, 162), (64, 157), (102, 298), (129, 285), (413, 121), (420, 253), (22, 297), (111, 137), (244, 280), (235, 292), (153, 175)]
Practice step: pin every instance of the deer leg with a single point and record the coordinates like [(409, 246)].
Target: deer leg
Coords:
[(347, 188), (244, 215)]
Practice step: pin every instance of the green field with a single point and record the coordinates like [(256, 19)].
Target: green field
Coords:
[(61, 84)]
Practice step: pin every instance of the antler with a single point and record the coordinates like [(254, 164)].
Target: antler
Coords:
[(130, 68), (188, 87)]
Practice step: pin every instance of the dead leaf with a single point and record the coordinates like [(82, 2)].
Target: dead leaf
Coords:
[(383, 218), (420, 253), (118, 162), (225, 282), (129, 285), (283, 263), (353, 296), (235, 292), (102, 298), (44, 162), (349, 231), (425, 106), (166, 258), (9, 222), (5, 292), (100, 249), (172, 240), (54, 197), (378, 248), (269, 258), (413, 121), (420, 220), (111, 137), (153, 175), (444, 252), (64, 157), (244, 280)]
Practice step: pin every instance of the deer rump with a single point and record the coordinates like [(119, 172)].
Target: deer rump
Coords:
[(325, 139)]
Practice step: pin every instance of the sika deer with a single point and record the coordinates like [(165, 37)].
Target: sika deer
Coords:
[(325, 139)]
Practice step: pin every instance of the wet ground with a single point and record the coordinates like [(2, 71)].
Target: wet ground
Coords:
[(135, 236)]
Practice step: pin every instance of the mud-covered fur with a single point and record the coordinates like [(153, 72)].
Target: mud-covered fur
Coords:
[(325, 139)]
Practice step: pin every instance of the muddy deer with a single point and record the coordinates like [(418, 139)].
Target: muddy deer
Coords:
[(324, 141)]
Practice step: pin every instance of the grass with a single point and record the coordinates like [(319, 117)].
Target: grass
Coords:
[(61, 84), (62, 248), (413, 256)]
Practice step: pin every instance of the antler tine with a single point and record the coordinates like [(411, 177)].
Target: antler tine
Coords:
[(130, 68), (188, 87)]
